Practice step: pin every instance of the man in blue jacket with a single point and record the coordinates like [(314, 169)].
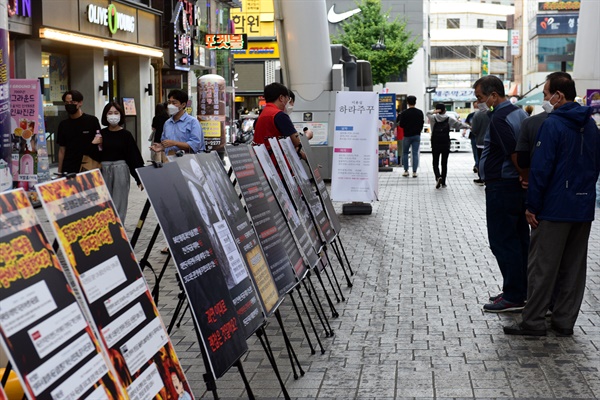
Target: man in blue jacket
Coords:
[(560, 209)]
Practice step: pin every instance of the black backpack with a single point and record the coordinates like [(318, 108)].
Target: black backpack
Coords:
[(441, 132)]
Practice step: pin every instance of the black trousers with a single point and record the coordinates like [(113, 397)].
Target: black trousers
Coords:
[(444, 151)]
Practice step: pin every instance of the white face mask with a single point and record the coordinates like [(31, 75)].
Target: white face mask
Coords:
[(482, 106), (172, 109), (289, 108), (547, 106), (113, 119)]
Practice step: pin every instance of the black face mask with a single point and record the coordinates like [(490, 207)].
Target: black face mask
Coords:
[(71, 108)]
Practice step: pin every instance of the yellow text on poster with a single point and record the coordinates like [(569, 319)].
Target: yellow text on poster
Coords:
[(211, 129)]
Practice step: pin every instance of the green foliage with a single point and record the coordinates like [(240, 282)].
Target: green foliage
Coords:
[(364, 29)]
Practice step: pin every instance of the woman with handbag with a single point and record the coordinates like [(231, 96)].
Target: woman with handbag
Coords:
[(117, 151)]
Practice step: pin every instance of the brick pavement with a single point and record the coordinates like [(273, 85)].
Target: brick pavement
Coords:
[(412, 325)]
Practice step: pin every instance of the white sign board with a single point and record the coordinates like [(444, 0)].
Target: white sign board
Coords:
[(355, 147), (514, 42)]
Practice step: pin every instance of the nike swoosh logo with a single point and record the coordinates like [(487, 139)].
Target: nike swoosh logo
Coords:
[(334, 17)]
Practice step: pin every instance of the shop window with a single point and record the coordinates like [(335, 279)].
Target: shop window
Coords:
[(453, 52), (55, 75)]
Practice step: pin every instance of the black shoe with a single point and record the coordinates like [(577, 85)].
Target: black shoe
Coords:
[(444, 185), (562, 332), (475, 170), (165, 251), (479, 182), (438, 183), (496, 297), (518, 329)]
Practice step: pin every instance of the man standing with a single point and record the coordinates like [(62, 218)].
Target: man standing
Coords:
[(560, 209), (526, 145), (441, 123), (181, 131), (411, 120), (273, 121), (75, 134), (508, 232)]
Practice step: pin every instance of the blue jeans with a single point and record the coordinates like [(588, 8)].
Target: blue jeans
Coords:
[(407, 143), (508, 233)]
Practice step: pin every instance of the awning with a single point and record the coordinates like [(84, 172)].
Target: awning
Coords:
[(533, 100)]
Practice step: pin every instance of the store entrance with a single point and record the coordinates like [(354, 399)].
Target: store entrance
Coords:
[(111, 79)]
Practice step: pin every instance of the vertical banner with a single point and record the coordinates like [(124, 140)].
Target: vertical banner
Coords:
[(355, 152), (265, 214), (44, 332), (242, 228), (485, 62), (29, 153), (308, 190), (388, 146), (324, 196), (211, 110), (5, 139), (111, 287), (292, 217), (226, 252), (221, 333)]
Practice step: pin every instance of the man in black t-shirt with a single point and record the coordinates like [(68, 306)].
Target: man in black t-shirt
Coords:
[(411, 120), (75, 134)]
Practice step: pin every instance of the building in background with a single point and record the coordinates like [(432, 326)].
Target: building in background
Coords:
[(468, 40)]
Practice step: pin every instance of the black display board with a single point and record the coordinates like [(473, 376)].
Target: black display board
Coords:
[(220, 329), (266, 216), (315, 170), (111, 287), (296, 222), (222, 241), (242, 228), (308, 190), (44, 332)]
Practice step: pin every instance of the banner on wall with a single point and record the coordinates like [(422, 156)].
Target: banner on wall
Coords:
[(211, 110), (593, 100), (355, 153), (44, 331), (6, 180), (111, 288), (221, 332), (29, 154), (242, 228), (265, 214)]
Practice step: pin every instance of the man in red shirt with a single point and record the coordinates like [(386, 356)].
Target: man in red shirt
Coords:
[(273, 120)]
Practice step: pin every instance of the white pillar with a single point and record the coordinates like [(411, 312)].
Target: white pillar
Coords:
[(87, 75), (28, 59), (586, 72)]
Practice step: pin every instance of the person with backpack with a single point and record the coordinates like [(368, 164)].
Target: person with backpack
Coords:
[(441, 123)]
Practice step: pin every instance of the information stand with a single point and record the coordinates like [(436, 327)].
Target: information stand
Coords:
[(44, 332), (110, 285), (219, 329)]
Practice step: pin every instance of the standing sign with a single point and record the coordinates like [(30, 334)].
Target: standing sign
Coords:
[(221, 333), (355, 153), (111, 287), (515, 42), (293, 219), (320, 184), (227, 254), (308, 190), (264, 213), (43, 331), (29, 154), (242, 228), (5, 142), (593, 101)]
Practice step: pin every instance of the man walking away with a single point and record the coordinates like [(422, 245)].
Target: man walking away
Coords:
[(560, 209), (411, 120), (441, 123), (508, 232), (479, 126)]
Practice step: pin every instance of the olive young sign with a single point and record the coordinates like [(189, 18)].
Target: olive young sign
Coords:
[(110, 17)]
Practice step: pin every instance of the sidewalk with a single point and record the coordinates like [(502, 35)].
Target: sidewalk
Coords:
[(411, 325)]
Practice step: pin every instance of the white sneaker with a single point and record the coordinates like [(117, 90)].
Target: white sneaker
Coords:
[(414, 174), (405, 173)]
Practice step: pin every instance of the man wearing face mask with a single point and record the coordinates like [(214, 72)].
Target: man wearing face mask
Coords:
[(274, 121), (507, 228), (75, 134), (560, 209), (181, 131), (479, 126)]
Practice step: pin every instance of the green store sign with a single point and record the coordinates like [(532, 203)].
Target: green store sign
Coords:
[(111, 18)]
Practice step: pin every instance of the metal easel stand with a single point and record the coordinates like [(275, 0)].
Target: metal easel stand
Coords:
[(312, 349), (337, 284), (261, 333), (316, 301), (288, 344), (336, 250), (334, 313)]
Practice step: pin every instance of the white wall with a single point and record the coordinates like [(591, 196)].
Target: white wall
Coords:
[(417, 80)]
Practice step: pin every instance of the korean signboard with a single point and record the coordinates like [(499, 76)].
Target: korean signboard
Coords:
[(226, 42), (557, 24)]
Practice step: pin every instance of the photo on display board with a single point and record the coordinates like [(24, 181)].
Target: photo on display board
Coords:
[(110, 284)]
